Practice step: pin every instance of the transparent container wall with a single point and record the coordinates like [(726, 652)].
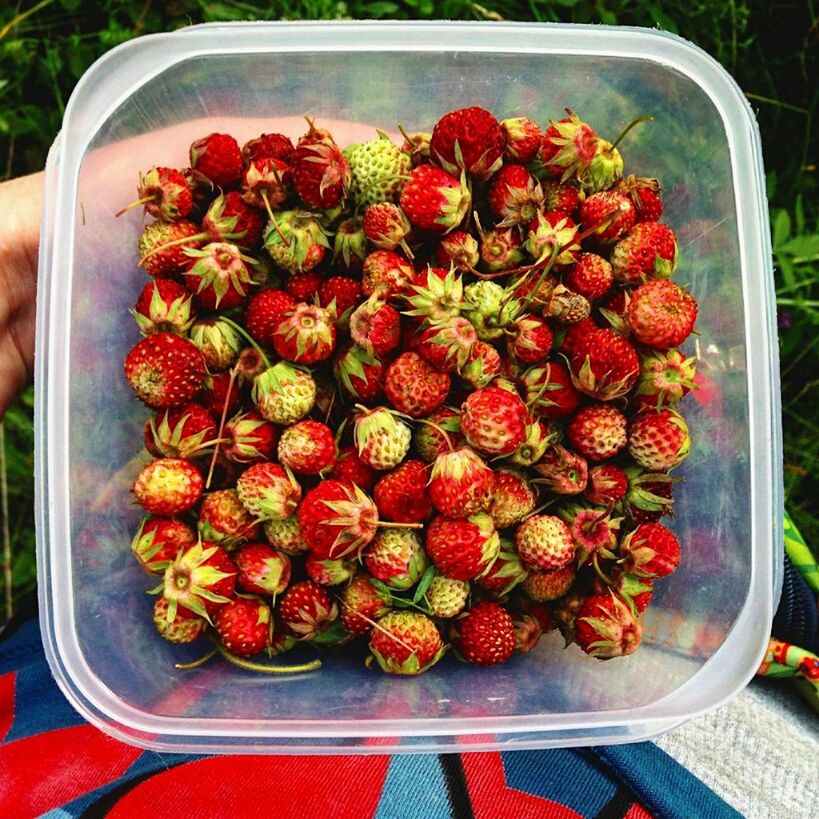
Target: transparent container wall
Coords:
[(685, 146)]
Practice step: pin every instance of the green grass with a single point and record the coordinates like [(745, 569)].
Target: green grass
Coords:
[(770, 48)]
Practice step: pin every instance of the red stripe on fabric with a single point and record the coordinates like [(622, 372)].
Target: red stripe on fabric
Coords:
[(637, 811), (47, 770), (285, 787), (492, 797), (6, 703)]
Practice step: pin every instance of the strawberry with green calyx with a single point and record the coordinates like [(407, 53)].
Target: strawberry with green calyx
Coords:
[(376, 326), (225, 520), (547, 586), (249, 438), (378, 168), (650, 550), (591, 276), (265, 311), (321, 173), (648, 251), (219, 275), (598, 432), (665, 378), (305, 335), (381, 438), (649, 494), (515, 196), (661, 314), (244, 625), (440, 434), (306, 610), (501, 251), (416, 146), (363, 603), (447, 343), (359, 372), (459, 250), (460, 483), (158, 540), (646, 196), (396, 558), (164, 305), (545, 542), (162, 246), (562, 471), (165, 193), (308, 448), (568, 147), (635, 591), (433, 298), (488, 309), (401, 495), (446, 597), (406, 643), (513, 497), (284, 393), (387, 227), (609, 215), (485, 634), (219, 158), (218, 342), (168, 486), (266, 182), (340, 295), (607, 485), (465, 548), (268, 491), (594, 530), (199, 581), (180, 630), (528, 632), (386, 273), (414, 387), (285, 535), (560, 198), (605, 627), (329, 572), (530, 340), (552, 236), (295, 241), (182, 432), (659, 439), (470, 140), (435, 200), (604, 365), (494, 420), (164, 370), (505, 573), (537, 440), (606, 166), (522, 138), (350, 468), (261, 569), (483, 366), (350, 245)]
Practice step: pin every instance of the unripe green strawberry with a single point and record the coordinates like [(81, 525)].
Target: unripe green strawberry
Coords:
[(285, 535), (362, 604), (218, 342), (179, 629), (605, 169), (377, 168), (406, 642), (350, 246), (268, 491), (381, 438), (295, 241), (446, 597), (659, 440), (549, 585), (545, 542), (283, 393), (396, 557), (484, 307), (224, 519), (460, 483), (513, 497)]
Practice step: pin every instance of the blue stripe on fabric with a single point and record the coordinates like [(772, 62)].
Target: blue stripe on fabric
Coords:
[(414, 789)]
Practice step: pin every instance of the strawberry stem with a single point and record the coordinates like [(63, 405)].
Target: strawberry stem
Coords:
[(143, 201), (644, 118), (196, 663), (268, 669), (250, 340), (440, 429), (222, 422), (392, 525), (196, 237)]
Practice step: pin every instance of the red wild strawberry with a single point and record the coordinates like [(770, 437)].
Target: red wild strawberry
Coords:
[(276, 145), (531, 341), (360, 373), (646, 196), (244, 626), (376, 326), (513, 497), (607, 485), (591, 276), (461, 484), (549, 391), (665, 377), (560, 198), (649, 251), (494, 420), (308, 448), (414, 387), (387, 227), (515, 196), (651, 550), (220, 390), (329, 572), (469, 139), (636, 591), (342, 292), (166, 194), (458, 249), (306, 610), (483, 366), (218, 157), (523, 137), (164, 306), (447, 344), (434, 200), (485, 634), (230, 218), (223, 519), (609, 215), (218, 275), (362, 604), (462, 549), (386, 273), (406, 642), (159, 540), (605, 627), (568, 147), (649, 495), (181, 432), (265, 310), (594, 531), (544, 587), (562, 471), (604, 365), (575, 335), (162, 246), (305, 335), (401, 495), (164, 370), (304, 287), (598, 432), (661, 314), (552, 235), (168, 486), (180, 630), (266, 182), (501, 249), (199, 582), (321, 174), (442, 434), (261, 569), (350, 468), (505, 573), (249, 439), (659, 440), (545, 542), (396, 558), (268, 491)]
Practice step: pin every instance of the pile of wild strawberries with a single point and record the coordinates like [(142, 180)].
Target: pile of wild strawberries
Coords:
[(420, 394)]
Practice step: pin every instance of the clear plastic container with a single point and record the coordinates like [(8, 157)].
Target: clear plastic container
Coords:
[(141, 105)]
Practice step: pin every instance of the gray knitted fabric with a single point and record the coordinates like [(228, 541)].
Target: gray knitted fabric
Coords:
[(759, 752)]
